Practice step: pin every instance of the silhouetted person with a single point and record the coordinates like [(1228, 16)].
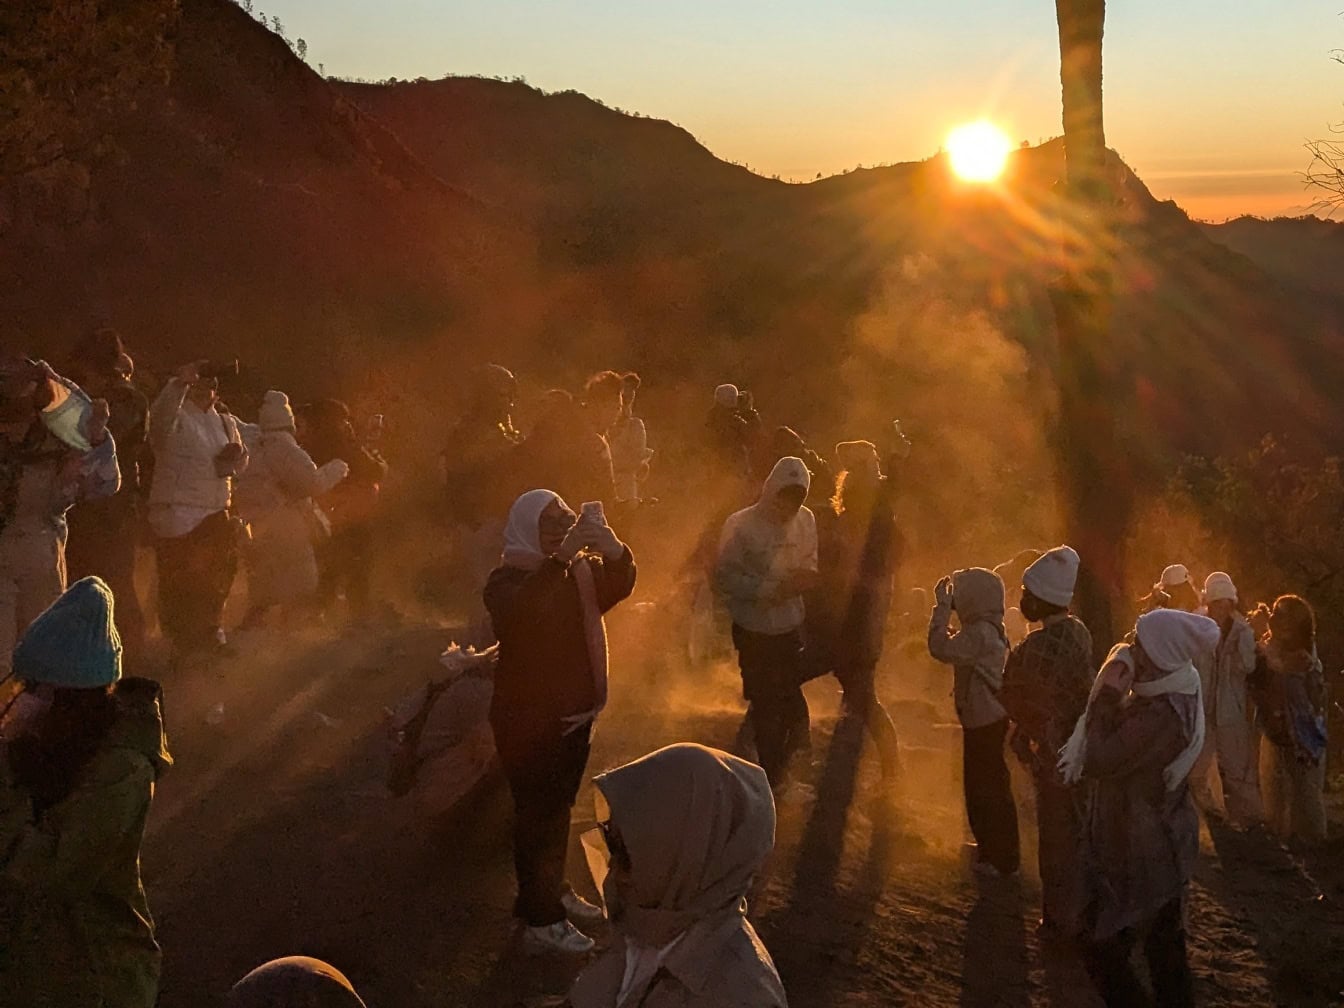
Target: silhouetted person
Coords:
[(1045, 688), (728, 456), (1137, 742), (546, 601), (785, 442), (629, 443), (564, 450), (105, 531), (767, 560)]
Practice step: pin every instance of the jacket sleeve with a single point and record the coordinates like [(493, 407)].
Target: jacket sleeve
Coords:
[(809, 552), (299, 477), (614, 579), (67, 862), (1121, 743), (99, 472), (163, 415), (962, 648)]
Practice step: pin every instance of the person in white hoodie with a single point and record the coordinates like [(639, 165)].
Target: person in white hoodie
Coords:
[(275, 496), (767, 559), (977, 653), (1231, 741), (197, 452)]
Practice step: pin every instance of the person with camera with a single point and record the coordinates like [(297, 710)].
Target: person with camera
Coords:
[(558, 575), (55, 449), (198, 451)]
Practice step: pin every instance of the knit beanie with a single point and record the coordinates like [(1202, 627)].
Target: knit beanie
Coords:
[(74, 644), (275, 413), (1218, 587), (726, 395), (1053, 577), (1174, 575)]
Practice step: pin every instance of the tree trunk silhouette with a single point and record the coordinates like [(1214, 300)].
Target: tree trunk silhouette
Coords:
[(1096, 487)]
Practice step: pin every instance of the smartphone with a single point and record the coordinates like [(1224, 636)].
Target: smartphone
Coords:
[(592, 512)]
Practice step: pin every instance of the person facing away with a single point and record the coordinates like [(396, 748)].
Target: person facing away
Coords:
[(55, 450), (767, 559), (788, 443), (557, 578), (1290, 696), (1136, 742), (858, 550), (104, 532), (688, 829), (198, 451), (82, 751), (1046, 682), (275, 496), (1230, 740), (629, 443), (977, 652), (294, 982)]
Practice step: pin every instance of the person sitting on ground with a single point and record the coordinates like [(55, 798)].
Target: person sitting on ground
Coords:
[(546, 602), (687, 831), (1289, 688), (767, 560), (977, 652), (275, 496), (198, 450), (1045, 688), (858, 549), (1137, 742), (55, 450), (1229, 736), (82, 751), (294, 982)]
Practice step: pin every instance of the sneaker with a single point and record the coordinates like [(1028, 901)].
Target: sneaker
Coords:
[(561, 937), (580, 911)]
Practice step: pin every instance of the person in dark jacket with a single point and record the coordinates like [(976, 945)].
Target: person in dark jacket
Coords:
[(546, 602), (786, 442), (83, 749), (1137, 742), (858, 547), (1045, 688), (564, 451), (345, 559), (104, 532)]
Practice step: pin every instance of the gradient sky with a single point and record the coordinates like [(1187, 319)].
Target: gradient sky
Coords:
[(1211, 102)]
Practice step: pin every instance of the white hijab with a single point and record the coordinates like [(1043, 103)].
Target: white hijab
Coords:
[(522, 536)]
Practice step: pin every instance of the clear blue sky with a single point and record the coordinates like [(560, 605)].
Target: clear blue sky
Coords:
[(1210, 102)]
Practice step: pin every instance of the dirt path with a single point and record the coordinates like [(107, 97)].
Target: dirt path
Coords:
[(273, 836)]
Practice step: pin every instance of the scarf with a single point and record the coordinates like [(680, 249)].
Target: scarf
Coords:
[(1184, 681), (522, 549)]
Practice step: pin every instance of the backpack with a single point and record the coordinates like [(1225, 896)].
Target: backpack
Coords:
[(424, 725)]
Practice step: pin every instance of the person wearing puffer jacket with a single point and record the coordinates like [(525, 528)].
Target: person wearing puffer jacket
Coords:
[(977, 653), (82, 753), (275, 496)]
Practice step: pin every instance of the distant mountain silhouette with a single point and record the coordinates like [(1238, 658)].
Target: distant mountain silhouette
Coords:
[(377, 239), (1302, 252)]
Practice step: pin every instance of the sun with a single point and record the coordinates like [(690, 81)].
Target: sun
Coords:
[(979, 151)]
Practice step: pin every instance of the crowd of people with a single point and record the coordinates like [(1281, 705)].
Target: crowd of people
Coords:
[(1207, 703)]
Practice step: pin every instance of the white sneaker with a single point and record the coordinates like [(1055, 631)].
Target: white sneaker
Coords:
[(579, 910), (562, 937)]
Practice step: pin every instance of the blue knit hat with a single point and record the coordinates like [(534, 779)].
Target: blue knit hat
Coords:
[(74, 643)]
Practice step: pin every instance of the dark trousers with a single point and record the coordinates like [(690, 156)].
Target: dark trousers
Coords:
[(1061, 854), (102, 544), (1110, 964), (859, 683), (544, 779), (989, 796), (771, 667), (196, 573), (344, 560)]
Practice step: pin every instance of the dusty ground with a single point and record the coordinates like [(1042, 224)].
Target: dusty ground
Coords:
[(273, 836)]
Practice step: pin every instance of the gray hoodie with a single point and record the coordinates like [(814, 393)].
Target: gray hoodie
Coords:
[(978, 650)]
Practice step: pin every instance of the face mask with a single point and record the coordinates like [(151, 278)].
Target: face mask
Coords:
[(24, 714)]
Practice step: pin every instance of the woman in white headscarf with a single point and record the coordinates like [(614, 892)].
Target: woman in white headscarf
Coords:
[(546, 603), (689, 829), (1137, 741)]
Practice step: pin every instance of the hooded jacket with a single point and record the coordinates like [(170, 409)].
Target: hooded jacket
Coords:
[(75, 930), (697, 825), (186, 488), (757, 555), (977, 651)]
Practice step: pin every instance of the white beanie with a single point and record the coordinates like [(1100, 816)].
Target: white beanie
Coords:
[(275, 414), (1171, 637), (1053, 577), (1218, 587), (726, 395), (1174, 575)]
